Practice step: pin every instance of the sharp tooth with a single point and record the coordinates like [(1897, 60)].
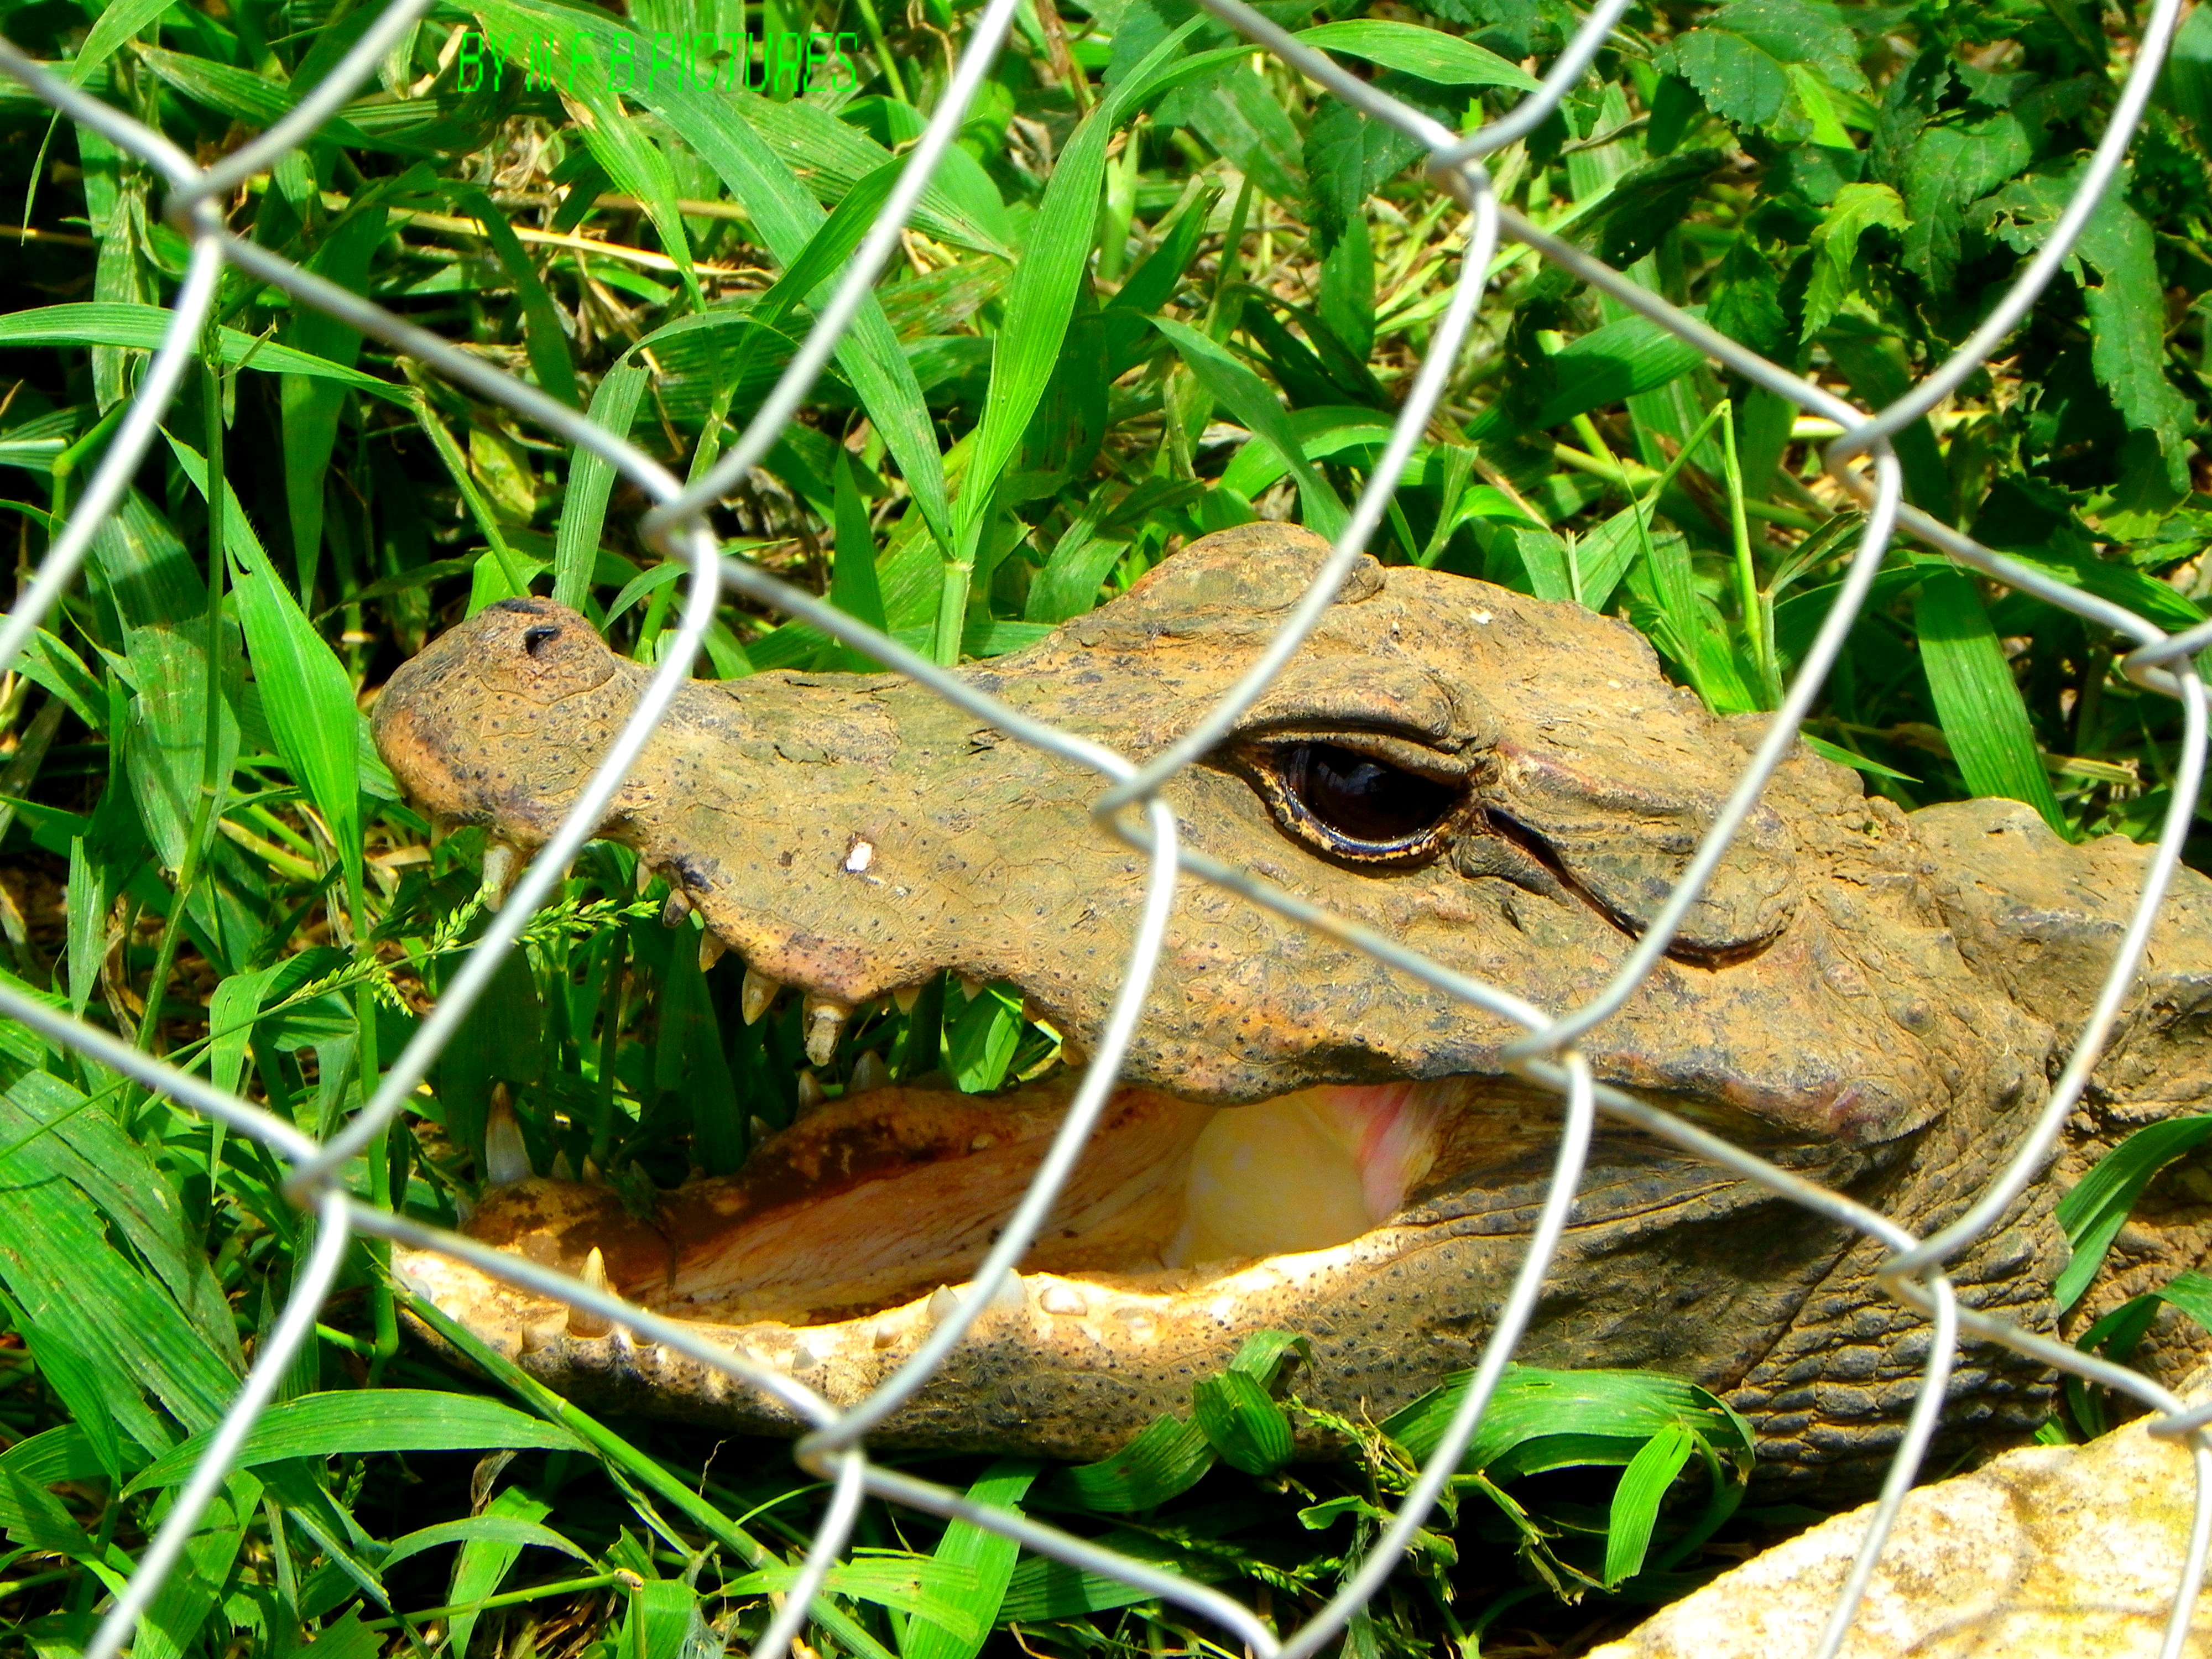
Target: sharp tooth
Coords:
[(1011, 1295), (905, 996), (562, 1170), (593, 1175), (970, 987), (809, 1090), (1064, 1299), (582, 1322), (869, 1072), (942, 1302), (710, 948), (678, 910), (507, 1160), (824, 1024), (803, 1359), (760, 991), (440, 829), (644, 875), (757, 1130), (500, 860)]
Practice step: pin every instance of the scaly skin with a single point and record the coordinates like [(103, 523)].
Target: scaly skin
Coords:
[(1875, 999)]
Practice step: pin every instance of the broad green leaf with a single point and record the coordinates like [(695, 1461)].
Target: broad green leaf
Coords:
[(853, 586), (59, 1266), (1079, 561), (1241, 1422), (980, 1043), (629, 156), (1857, 209), (1253, 404), (496, 1525), (544, 340), (2191, 1291), (2093, 1212), (967, 1548), (51, 1133), (1167, 1457), (1636, 1500), (489, 1550), (1609, 365), (169, 729), (310, 404), (1427, 54), (1540, 1419), (351, 1422), (1322, 432), (305, 691), (590, 482), (833, 156), (181, 1607), (251, 99), (117, 23), (1977, 700), (1045, 1588), (1235, 111), (141, 327), (1039, 301), (87, 902)]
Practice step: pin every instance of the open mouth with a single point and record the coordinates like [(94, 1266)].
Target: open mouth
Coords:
[(890, 1197), (875, 1201)]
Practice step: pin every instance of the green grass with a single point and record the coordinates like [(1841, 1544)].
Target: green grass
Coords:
[(203, 851)]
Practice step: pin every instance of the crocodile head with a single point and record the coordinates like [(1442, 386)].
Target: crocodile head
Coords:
[(1304, 1139)]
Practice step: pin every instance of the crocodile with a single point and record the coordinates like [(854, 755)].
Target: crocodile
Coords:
[(1304, 1137)]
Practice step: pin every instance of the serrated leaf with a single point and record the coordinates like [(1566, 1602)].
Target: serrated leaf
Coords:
[(1948, 167), (2116, 263), (1857, 209), (1749, 60)]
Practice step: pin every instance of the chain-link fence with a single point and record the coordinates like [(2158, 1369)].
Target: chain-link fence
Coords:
[(1129, 805)]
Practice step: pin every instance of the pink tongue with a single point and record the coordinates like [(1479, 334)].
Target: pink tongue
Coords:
[(1388, 1130), (1305, 1171)]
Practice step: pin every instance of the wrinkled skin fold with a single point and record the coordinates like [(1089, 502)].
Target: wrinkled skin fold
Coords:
[(1304, 1139)]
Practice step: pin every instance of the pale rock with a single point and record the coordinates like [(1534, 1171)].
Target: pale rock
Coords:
[(2048, 1553)]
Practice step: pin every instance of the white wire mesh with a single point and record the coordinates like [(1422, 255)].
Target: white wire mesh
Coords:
[(1860, 461)]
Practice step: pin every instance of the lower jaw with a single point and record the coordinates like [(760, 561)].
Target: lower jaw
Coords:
[(1385, 1221), (886, 1201)]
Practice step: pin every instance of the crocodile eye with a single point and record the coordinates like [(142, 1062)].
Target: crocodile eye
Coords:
[(535, 640), (1351, 804)]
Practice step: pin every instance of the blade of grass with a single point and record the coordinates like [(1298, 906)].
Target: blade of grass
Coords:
[(1977, 702)]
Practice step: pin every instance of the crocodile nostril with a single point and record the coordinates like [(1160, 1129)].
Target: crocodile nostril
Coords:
[(534, 640)]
